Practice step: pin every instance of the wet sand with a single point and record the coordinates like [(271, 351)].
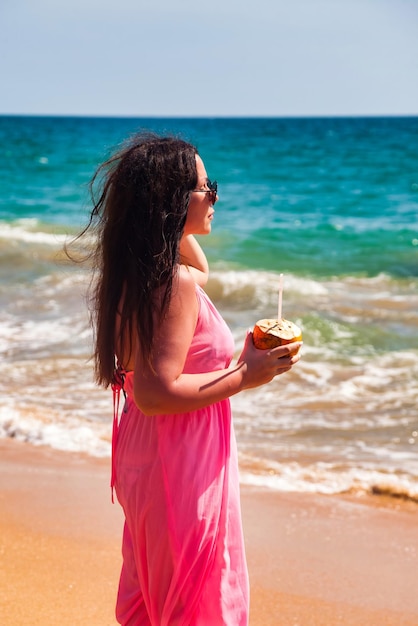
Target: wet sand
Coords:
[(313, 560)]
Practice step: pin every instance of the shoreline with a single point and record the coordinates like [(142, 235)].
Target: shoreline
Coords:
[(313, 560)]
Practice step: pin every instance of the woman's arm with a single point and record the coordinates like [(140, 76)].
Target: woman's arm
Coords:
[(192, 255), (169, 390)]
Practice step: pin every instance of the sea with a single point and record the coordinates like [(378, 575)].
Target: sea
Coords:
[(330, 203)]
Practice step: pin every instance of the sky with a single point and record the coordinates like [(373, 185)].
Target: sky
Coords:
[(180, 58)]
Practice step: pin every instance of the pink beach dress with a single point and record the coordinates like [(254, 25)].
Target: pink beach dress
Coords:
[(176, 477)]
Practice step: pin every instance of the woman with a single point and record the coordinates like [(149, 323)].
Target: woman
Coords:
[(175, 467)]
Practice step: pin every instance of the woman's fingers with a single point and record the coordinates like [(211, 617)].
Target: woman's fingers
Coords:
[(289, 349), (261, 366)]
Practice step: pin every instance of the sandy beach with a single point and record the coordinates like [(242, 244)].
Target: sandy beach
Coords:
[(313, 560)]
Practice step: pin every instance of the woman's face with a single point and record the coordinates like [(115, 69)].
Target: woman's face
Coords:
[(200, 211)]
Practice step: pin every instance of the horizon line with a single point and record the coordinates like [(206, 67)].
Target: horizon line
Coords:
[(214, 117)]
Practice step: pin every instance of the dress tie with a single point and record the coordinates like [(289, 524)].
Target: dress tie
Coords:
[(117, 386)]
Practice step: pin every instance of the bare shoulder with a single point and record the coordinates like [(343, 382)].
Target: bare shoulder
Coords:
[(184, 290), (185, 279)]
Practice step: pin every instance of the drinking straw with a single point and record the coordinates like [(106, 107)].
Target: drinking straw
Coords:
[(280, 296)]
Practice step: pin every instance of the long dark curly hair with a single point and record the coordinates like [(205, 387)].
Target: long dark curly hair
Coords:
[(140, 201)]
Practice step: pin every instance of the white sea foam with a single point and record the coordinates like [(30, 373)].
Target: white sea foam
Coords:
[(42, 337), (348, 406), (23, 230), (75, 436), (263, 284), (327, 478), (93, 438)]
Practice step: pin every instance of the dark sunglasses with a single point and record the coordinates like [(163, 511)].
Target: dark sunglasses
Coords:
[(213, 190)]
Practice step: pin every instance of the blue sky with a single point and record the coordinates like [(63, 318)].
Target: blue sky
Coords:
[(224, 57)]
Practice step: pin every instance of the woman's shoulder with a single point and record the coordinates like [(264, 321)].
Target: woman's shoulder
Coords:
[(186, 278), (184, 287)]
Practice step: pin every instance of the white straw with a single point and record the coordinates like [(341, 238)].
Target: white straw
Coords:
[(280, 296)]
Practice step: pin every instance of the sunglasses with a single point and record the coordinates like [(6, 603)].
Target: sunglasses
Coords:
[(213, 190)]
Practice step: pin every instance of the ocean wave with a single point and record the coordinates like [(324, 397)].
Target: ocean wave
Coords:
[(375, 385), (345, 304), (230, 280), (92, 439), (352, 398), (339, 477), (43, 338), (327, 478), (28, 231), (251, 288)]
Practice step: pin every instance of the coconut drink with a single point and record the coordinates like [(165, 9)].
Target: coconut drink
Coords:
[(270, 333)]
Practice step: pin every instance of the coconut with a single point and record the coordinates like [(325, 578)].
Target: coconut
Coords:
[(270, 333)]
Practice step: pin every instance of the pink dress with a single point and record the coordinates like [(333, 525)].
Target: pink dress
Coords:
[(176, 477)]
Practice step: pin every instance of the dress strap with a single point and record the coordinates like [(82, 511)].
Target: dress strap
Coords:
[(118, 382)]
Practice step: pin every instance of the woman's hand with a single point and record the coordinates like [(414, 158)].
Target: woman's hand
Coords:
[(261, 366)]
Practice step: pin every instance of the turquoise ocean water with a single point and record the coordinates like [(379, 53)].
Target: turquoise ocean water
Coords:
[(330, 203)]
